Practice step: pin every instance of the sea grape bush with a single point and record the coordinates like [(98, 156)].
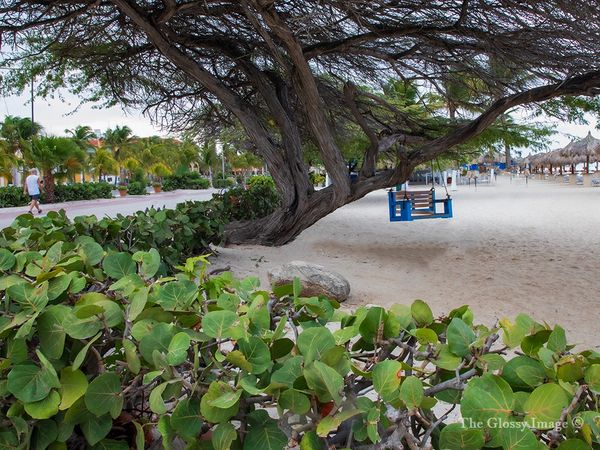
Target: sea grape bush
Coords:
[(14, 195), (189, 180), (177, 233), (258, 200), (98, 350)]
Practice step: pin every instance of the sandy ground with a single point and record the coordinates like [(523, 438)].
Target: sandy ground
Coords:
[(512, 247)]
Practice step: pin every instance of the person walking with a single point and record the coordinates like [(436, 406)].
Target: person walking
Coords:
[(32, 188)]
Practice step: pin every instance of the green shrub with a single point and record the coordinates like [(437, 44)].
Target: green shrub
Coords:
[(12, 196), (138, 175), (96, 350), (220, 183), (82, 191), (177, 233), (317, 179), (190, 180), (136, 188), (259, 200)]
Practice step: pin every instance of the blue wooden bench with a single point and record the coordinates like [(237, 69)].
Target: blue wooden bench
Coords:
[(406, 206)]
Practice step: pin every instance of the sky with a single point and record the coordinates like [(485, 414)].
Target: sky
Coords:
[(58, 114)]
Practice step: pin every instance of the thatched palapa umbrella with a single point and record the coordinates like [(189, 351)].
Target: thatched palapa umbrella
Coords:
[(584, 149)]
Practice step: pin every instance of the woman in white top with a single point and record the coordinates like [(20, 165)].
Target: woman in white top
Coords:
[(33, 188)]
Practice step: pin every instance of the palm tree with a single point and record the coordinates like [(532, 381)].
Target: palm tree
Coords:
[(82, 135), (52, 153), (18, 133), (118, 141), (103, 163), (208, 159)]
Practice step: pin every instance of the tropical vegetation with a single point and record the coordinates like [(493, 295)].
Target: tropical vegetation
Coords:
[(99, 349)]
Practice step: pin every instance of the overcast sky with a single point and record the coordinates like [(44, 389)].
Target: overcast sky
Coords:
[(55, 115)]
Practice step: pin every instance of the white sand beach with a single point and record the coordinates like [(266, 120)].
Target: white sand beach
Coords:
[(511, 247)]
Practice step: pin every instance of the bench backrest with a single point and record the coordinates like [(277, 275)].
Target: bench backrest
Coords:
[(419, 199)]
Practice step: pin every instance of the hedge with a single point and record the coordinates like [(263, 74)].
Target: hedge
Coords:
[(191, 180), (14, 196)]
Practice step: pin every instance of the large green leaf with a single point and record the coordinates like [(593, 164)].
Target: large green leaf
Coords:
[(45, 408), (460, 337), (74, 384), (289, 372), (223, 436), (32, 299), (133, 360), (216, 324), (518, 438), (158, 339), (373, 324), (592, 378), (524, 373), (104, 395), (324, 381), (421, 313), (264, 433), (30, 383), (295, 401), (456, 437), (177, 295), (7, 260), (488, 400), (95, 428), (257, 353), (216, 390), (150, 262), (411, 392), (51, 330), (178, 348), (118, 265), (545, 405), (313, 342), (387, 376), (186, 418), (91, 252)]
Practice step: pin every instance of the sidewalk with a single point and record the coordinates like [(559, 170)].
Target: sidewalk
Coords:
[(112, 206)]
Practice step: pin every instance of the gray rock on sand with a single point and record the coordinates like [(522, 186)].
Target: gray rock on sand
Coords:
[(315, 280)]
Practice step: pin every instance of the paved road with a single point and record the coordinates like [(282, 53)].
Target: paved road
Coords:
[(114, 206)]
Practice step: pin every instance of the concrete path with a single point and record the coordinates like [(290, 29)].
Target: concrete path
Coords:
[(112, 207)]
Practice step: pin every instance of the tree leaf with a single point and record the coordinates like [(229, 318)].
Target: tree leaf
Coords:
[(157, 403), (186, 419), (257, 353), (387, 376), (264, 433), (313, 342), (544, 406), (223, 436), (421, 313), (325, 381), (7, 259), (137, 302), (178, 347), (133, 360), (287, 374), (456, 437), (74, 384), (78, 361), (460, 337), (45, 408), (30, 383), (104, 395), (411, 392), (177, 295), (592, 378), (51, 330), (118, 265), (295, 401), (217, 415), (95, 428), (217, 323)]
